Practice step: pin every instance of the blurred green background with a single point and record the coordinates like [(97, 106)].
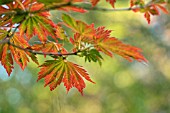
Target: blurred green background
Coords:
[(121, 86)]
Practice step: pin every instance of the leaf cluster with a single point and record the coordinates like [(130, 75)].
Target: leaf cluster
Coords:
[(22, 20)]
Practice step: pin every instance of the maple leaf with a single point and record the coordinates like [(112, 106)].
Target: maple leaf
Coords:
[(60, 70), (109, 45)]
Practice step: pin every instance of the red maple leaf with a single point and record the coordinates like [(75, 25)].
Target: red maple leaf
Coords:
[(60, 70)]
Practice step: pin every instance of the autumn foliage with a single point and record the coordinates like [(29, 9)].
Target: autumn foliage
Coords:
[(22, 20)]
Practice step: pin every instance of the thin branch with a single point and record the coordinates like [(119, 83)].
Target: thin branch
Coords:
[(42, 53), (106, 9), (47, 53)]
